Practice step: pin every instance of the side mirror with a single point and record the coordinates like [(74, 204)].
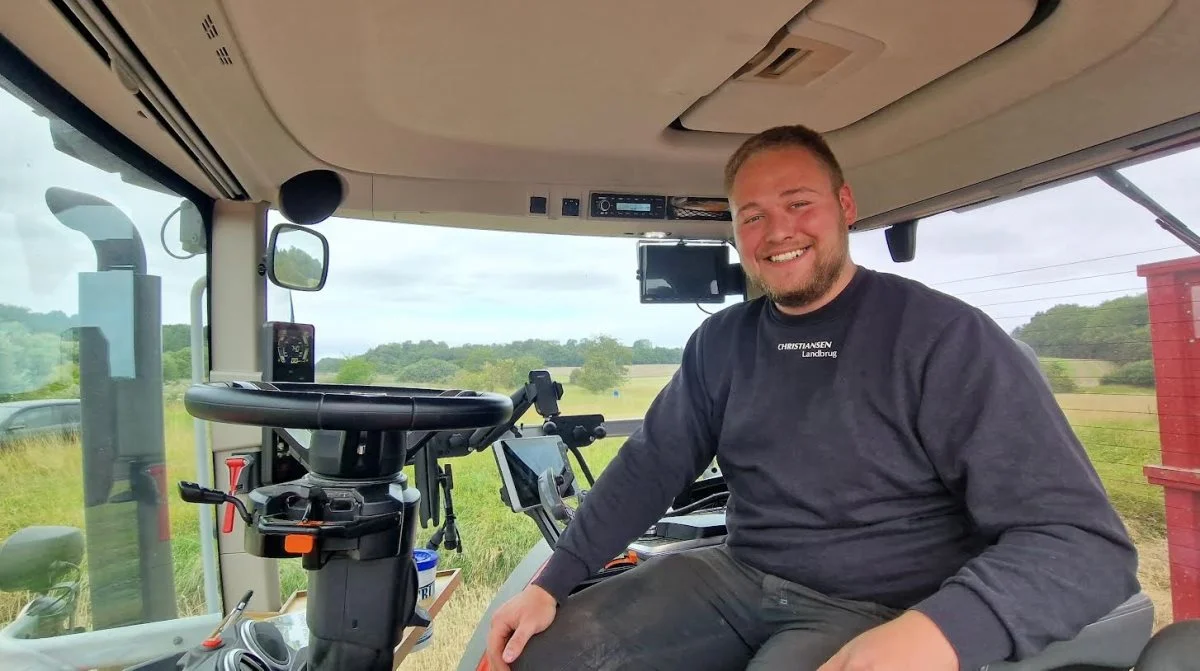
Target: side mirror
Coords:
[(297, 258)]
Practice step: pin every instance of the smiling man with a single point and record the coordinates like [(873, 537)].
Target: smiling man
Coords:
[(791, 173), (905, 492)]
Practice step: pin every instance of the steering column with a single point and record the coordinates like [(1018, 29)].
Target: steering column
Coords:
[(351, 518)]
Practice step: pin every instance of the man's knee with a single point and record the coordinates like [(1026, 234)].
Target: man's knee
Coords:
[(598, 622), (575, 632)]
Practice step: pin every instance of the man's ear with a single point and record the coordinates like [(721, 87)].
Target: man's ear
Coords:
[(846, 198)]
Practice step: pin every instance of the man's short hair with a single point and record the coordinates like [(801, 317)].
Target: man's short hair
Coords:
[(782, 137)]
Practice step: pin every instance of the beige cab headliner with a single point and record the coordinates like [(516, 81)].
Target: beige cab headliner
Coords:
[(456, 113)]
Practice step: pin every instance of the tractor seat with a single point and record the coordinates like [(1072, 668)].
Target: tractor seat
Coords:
[(33, 558), (1114, 641)]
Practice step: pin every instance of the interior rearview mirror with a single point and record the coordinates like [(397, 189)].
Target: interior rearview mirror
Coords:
[(297, 258)]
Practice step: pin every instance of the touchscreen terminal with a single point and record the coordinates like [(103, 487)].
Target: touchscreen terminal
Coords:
[(522, 460)]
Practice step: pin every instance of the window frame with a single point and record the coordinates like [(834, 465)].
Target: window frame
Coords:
[(142, 642)]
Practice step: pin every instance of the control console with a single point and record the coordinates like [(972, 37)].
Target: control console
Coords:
[(239, 643)]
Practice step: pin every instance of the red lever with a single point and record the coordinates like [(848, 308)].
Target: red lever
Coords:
[(235, 464)]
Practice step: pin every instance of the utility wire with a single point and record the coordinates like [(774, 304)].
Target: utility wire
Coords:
[(1054, 298), (1061, 265), (1039, 284)]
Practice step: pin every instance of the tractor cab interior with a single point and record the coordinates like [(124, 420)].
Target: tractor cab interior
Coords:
[(605, 120)]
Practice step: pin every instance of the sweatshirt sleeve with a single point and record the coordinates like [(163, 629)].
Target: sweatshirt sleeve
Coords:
[(1058, 556), (676, 441)]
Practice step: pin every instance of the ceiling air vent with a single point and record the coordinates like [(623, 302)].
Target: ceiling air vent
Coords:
[(210, 28), (787, 59), (223, 56), (793, 60)]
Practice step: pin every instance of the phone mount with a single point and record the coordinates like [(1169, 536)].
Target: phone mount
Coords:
[(535, 478), (541, 394), (351, 517)]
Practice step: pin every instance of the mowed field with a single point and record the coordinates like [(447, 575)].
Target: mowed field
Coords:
[(42, 484)]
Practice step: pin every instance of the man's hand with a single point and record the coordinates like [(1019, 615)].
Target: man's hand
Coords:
[(909, 642), (522, 617)]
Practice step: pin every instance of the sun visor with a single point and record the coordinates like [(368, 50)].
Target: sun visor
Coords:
[(842, 60)]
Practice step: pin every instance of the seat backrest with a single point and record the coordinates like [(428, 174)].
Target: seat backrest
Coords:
[(1115, 641), (1029, 352)]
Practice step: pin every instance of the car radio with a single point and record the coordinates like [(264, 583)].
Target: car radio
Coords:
[(628, 206)]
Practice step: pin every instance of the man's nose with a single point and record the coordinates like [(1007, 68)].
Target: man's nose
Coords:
[(779, 227)]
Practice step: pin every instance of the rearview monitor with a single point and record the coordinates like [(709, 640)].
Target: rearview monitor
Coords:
[(683, 272)]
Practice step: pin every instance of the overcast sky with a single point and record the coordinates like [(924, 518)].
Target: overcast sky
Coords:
[(394, 282)]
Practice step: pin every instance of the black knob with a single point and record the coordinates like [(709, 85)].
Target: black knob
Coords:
[(599, 432), (550, 428)]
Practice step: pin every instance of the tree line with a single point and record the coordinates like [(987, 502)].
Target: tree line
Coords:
[(39, 355), (1117, 331), (600, 363), (391, 358)]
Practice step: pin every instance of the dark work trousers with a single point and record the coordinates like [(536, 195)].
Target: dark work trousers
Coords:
[(698, 611)]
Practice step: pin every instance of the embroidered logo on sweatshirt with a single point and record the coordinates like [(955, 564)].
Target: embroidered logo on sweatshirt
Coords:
[(812, 349)]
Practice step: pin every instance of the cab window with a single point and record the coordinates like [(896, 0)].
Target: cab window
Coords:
[(92, 537)]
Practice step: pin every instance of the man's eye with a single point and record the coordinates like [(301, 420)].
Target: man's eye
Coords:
[(800, 203)]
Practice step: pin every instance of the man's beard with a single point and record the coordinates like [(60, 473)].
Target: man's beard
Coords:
[(826, 270)]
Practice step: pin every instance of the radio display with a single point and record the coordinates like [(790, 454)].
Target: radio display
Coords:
[(628, 206)]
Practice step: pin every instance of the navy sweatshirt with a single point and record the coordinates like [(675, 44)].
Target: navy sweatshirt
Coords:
[(894, 446)]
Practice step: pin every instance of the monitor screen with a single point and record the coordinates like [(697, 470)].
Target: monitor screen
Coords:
[(523, 460), (682, 273)]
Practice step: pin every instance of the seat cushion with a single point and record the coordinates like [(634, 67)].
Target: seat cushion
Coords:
[(1114, 641)]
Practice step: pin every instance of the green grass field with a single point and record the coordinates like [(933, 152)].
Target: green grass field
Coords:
[(41, 484), (1086, 372)]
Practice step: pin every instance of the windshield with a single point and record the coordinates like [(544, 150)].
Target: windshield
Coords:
[(429, 306), (6, 412), (93, 307), (443, 307)]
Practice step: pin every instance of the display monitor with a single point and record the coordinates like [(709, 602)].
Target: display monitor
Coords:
[(683, 273), (523, 460)]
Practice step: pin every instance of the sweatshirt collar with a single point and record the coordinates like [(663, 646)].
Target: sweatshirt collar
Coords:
[(838, 307)]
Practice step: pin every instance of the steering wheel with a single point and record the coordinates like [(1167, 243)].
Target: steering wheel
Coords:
[(345, 407), (353, 525)]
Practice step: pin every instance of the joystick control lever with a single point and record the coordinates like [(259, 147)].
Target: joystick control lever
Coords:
[(194, 493)]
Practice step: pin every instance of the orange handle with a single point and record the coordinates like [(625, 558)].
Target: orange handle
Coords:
[(235, 464)]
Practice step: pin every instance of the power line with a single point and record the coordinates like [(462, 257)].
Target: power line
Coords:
[(1039, 284), (1097, 308), (1054, 298), (1061, 265)]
